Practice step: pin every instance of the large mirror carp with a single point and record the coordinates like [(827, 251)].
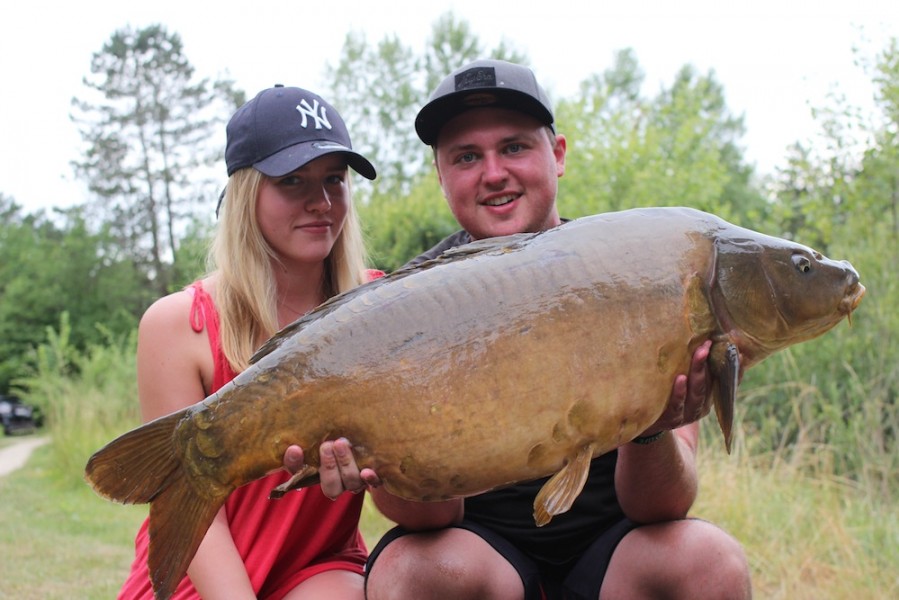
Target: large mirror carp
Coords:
[(502, 361)]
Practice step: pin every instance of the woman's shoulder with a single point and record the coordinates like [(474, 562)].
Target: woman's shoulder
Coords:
[(175, 308), (167, 308)]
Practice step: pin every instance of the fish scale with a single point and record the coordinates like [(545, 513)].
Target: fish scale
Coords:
[(505, 360)]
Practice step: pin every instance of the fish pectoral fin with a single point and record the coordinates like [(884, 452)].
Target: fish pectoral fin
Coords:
[(724, 363), (305, 477), (559, 493)]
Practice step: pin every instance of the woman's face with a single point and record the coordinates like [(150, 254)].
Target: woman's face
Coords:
[(302, 213)]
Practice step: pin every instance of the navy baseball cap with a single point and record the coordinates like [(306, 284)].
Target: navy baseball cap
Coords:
[(283, 128), (483, 83)]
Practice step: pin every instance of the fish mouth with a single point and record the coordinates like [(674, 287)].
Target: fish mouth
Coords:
[(851, 301)]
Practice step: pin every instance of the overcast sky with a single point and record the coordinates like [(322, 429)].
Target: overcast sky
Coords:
[(773, 57)]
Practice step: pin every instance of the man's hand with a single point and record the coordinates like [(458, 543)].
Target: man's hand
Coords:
[(338, 470), (690, 398)]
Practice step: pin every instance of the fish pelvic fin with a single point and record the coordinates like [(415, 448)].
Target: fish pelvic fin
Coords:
[(138, 465), (305, 477), (179, 520), (559, 493), (724, 363)]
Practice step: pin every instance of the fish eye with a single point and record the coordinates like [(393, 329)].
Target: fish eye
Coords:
[(802, 263)]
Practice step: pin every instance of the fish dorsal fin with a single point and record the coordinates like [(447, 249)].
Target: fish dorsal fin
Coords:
[(331, 305), (724, 363), (559, 493), (497, 244), (503, 243)]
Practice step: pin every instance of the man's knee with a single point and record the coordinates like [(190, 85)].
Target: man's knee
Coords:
[(714, 563), (680, 559), (394, 569), (451, 563)]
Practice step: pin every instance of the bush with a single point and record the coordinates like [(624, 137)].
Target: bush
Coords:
[(88, 398)]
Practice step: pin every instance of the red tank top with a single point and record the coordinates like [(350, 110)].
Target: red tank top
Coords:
[(282, 542)]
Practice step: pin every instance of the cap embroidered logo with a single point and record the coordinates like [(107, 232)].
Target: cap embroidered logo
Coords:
[(475, 78), (313, 111)]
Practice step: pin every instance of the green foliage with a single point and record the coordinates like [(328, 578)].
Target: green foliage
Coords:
[(379, 88), (88, 396), (375, 89), (679, 148), (839, 393), (147, 128), (191, 255), (47, 268), (399, 229)]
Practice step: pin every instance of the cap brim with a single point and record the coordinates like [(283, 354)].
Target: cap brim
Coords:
[(293, 157), (431, 119)]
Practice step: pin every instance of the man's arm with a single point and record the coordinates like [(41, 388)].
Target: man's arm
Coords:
[(658, 481)]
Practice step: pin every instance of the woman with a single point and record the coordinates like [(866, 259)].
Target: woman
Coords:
[(288, 239)]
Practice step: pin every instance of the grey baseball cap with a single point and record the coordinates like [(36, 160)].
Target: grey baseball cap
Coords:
[(482, 83), (283, 128)]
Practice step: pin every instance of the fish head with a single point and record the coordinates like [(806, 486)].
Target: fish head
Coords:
[(771, 293)]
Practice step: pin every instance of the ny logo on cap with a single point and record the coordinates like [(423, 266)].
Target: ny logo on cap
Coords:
[(319, 113)]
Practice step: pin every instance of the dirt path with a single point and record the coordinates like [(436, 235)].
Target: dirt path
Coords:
[(15, 455)]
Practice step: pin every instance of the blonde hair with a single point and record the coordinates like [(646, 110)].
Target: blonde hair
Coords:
[(245, 291)]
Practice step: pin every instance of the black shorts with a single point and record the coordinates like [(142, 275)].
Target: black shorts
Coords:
[(581, 582)]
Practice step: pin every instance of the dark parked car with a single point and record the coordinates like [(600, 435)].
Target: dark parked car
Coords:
[(18, 417)]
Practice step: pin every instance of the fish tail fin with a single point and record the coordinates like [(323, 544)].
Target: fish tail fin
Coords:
[(143, 466), (138, 465), (179, 520)]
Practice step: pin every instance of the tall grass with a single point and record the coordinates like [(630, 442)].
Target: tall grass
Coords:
[(808, 532), (838, 394), (88, 397)]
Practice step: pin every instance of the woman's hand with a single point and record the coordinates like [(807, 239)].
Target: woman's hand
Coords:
[(338, 470)]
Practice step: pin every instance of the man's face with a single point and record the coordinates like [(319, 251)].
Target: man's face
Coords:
[(499, 171)]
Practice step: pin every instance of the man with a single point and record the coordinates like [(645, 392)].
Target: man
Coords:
[(498, 160)]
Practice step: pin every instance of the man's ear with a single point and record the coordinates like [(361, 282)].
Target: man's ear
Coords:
[(559, 151)]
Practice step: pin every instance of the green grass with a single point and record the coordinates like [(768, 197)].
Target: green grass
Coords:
[(62, 541), (807, 535)]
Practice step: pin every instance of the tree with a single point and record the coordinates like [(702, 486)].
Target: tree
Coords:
[(398, 229), (50, 267), (880, 167), (678, 148), (379, 90), (147, 133), (376, 92), (452, 44)]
